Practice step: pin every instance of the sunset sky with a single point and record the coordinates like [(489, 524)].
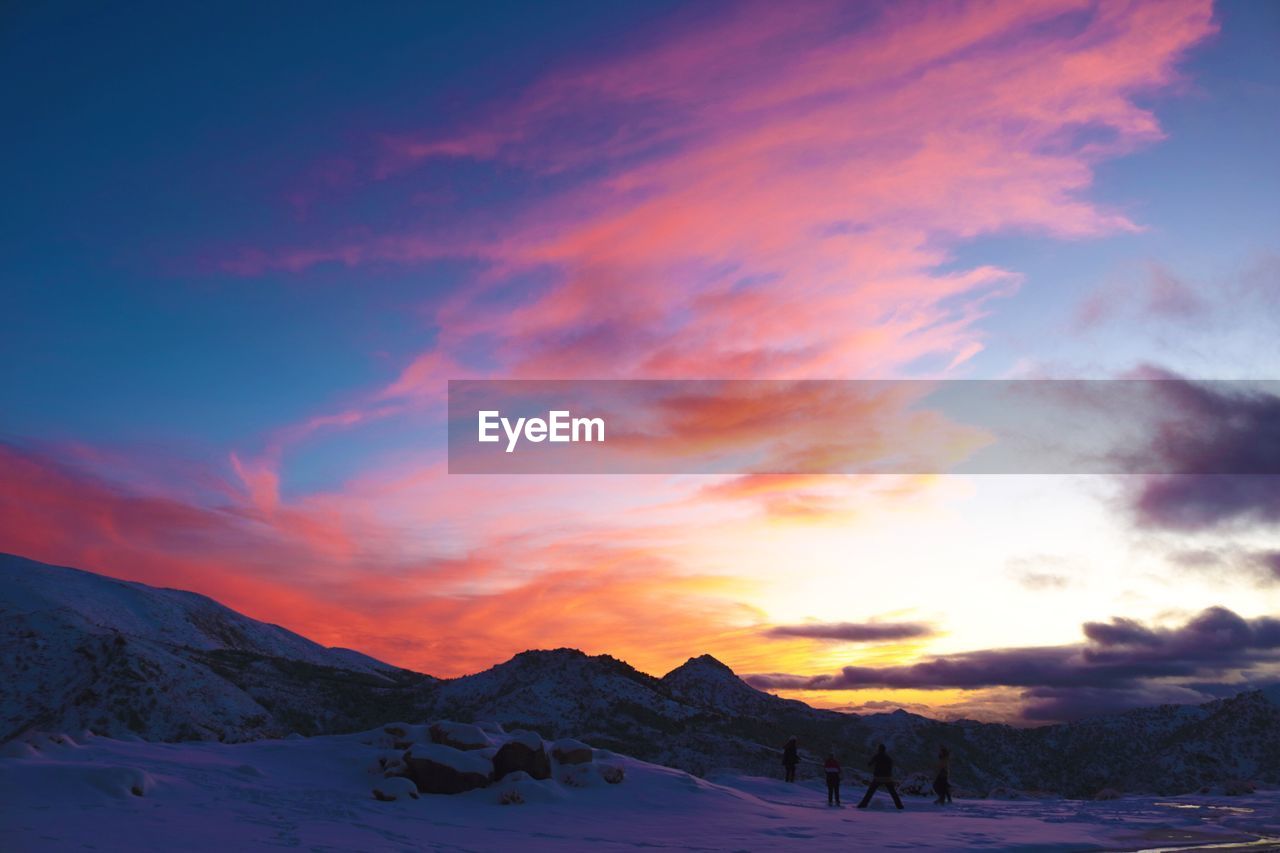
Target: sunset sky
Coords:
[(246, 246)]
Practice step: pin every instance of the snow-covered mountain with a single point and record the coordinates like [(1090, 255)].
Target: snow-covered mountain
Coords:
[(81, 651)]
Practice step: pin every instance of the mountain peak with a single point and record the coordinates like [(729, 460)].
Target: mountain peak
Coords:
[(703, 663)]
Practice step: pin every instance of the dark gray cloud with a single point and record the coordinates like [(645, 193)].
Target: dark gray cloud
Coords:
[(1054, 704), (1123, 660), (853, 632), (1269, 562), (1262, 567), (1211, 427)]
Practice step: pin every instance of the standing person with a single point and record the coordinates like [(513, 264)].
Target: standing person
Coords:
[(882, 771), (942, 782), (832, 768), (790, 759)]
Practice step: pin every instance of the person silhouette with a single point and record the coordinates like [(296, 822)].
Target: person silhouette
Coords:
[(882, 774), (832, 769), (790, 759), (942, 782)]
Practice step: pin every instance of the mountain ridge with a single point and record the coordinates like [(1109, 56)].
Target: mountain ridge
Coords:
[(170, 665)]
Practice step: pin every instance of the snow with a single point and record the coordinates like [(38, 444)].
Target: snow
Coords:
[(395, 788), (455, 759), (524, 737), (460, 735), (317, 793)]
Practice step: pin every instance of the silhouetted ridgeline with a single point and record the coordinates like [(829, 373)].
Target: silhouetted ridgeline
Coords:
[(82, 651)]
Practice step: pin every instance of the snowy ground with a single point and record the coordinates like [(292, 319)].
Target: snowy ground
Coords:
[(315, 793)]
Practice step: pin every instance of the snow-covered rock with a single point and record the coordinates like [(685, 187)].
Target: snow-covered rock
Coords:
[(570, 751), (440, 769), (395, 788), (522, 753), (459, 735)]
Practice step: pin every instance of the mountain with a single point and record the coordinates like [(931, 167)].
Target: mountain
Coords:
[(706, 683), (81, 651)]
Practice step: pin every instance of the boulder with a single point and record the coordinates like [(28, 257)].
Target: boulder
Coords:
[(1238, 787), (522, 754), (518, 788), (459, 735), (18, 749), (570, 751), (611, 773), (402, 735), (395, 788), (439, 769), (917, 785)]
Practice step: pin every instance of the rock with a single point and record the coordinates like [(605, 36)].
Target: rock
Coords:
[(522, 754), (580, 776), (440, 769), (18, 749), (917, 785), (533, 740), (570, 751), (1108, 794), (611, 773), (459, 735), (402, 735), (394, 766), (395, 788)]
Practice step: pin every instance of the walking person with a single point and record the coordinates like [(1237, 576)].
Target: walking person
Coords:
[(790, 758), (942, 782), (832, 768), (882, 774)]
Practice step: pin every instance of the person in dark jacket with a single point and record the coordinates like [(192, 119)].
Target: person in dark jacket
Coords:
[(832, 769), (790, 759), (882, 772), (942, 782)]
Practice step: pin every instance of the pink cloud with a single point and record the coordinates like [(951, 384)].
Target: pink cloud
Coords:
[(777, 193), (772, 195)]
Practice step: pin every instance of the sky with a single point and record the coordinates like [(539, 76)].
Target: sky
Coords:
[(245, 248)]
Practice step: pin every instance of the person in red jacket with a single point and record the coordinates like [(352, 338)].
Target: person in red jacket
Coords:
[(832, 767)]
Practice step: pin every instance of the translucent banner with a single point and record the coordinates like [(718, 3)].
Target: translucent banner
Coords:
[(1125, 426)]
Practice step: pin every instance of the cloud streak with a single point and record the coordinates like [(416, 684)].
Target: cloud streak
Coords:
[(853, 632)]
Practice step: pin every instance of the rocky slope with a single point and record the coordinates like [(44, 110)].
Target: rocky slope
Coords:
[(82, 651)]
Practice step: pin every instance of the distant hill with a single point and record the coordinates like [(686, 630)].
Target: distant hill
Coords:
[(82, 651)]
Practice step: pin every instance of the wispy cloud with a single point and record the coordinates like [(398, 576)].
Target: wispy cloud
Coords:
[(854, 632)]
